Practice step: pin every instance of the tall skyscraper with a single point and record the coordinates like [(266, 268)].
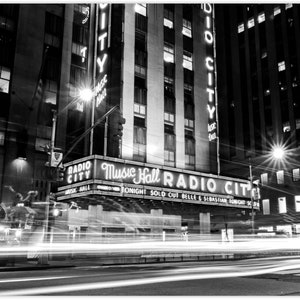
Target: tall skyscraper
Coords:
[(258, 95)]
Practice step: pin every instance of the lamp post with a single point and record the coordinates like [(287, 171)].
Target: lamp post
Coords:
[(251, 194), (85, 95)]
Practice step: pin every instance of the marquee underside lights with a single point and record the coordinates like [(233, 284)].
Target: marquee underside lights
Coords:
[(117, 178), (209, 64)]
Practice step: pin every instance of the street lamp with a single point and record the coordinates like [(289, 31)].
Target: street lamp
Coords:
[(278, 153), (86, 94), (251, 194)]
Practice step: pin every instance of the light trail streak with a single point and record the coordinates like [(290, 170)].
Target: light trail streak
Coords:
[(34, 279), (143, 281)]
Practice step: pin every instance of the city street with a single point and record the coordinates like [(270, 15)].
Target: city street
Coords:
[(252, 277)]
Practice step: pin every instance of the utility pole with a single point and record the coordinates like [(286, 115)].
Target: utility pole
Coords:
[(43, 257), (251, 194)]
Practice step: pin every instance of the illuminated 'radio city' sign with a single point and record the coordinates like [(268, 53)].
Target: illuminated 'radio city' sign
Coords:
[(209, 64), (102, 53), (79, 172), (117, 172)]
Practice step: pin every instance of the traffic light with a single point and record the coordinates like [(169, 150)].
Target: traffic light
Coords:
[(120, 122), (22, 141), (56, 212), (60, 174)]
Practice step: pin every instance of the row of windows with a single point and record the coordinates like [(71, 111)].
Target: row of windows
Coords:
[(169, 56), (168, 19), (282, 207), (261, 18), (280, 177)]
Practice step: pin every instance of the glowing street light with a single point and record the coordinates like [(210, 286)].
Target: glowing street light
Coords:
[(86, 94), (278, 152)]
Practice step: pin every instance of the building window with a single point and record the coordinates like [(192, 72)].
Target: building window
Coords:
[(168, 18), (140, 71), (266, 206), (282, 205), (139, 135), (187, 28), (189, 152), (140, 109), (2, 138), (140, 95), (261, 17), (80, 34), (169, 86), (140, 63), (296, 174), (4, 79), (188, 88), (139, 139), (280, 177), (52, 40), (250, 23), (288, 5), (141, 9), (241, 28), (297, 203), (281, 66), (169, 116), (277, 11), (169, 149), (50, 92), (168, 53), (264, 178), (80, 50), (77, 75), (53, 24), (189, 111), (188, 60)]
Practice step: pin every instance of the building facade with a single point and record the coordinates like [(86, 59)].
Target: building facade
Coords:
[(152, 64), (258, 89)]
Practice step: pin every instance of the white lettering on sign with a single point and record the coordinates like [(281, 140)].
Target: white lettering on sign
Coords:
[(100, 90), (79, 172), (146, 176), (139, 176), (134, 191), (209, 64), (136, 175), (113, 173)]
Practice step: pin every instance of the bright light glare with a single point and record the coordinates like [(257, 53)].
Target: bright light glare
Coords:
[(278, 153), (86, 94)]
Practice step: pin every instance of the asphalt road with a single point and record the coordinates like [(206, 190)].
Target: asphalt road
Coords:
[(251, 277)]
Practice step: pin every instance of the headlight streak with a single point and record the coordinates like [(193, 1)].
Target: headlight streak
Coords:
[(34, 279), (143, 281), (172, 247)]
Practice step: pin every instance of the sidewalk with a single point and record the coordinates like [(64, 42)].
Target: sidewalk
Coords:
[(137, 259)]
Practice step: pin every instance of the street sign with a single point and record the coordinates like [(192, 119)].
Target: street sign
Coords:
[(56, 159)]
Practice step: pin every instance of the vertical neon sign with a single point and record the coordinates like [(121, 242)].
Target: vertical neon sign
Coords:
[(102, 54), (209, 65)]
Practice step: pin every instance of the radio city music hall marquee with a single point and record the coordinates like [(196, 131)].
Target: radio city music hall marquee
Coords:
[(127, 179)]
